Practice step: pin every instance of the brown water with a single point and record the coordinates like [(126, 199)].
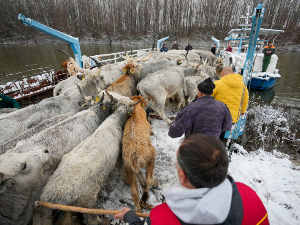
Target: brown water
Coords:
[(16, 58), (287, 89)]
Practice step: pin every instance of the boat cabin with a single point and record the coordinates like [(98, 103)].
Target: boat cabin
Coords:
[(239, 41)]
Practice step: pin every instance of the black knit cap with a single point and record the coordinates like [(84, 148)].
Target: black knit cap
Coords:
[(207, 86)]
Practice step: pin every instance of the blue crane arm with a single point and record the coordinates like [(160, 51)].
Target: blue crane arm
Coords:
[(257, 17), (159, 42), (73, 42)]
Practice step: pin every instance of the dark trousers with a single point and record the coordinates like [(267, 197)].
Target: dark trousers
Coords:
[(221, 137), (266, 62)]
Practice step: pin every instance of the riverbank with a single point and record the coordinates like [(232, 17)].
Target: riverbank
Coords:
[(272, 127), (199, 42)]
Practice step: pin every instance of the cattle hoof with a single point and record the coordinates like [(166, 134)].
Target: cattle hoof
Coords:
[(155, 185), (145, 205), (151, 132), (103, 221)]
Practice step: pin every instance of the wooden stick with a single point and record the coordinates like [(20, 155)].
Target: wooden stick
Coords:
[(82, 210)]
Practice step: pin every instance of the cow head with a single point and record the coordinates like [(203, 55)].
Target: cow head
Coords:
[(139, 98), (20, 184), (218, 63), (133, 69), (21, 169), (120, 101)]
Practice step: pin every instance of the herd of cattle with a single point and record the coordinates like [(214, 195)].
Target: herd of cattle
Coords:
[(62, 149)]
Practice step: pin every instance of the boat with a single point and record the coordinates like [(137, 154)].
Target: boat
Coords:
[(246, 59), (239, 40), (33, 84)]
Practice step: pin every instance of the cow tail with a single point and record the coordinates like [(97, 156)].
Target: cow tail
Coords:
[(184, 88), (143, 183)]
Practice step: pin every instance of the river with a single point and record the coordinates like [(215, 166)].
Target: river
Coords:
[(17, 58)]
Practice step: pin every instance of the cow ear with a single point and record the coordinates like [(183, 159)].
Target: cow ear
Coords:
[(132, 70)]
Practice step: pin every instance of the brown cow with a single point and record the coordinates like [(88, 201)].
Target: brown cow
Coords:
[(69, 68), (138, 152), (126, 84)]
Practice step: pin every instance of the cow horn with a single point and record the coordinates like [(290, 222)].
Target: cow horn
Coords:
[(147, 58), (123, 49), (205, 62), (198, 65), (185, 55), (111, 97), (81, 92), (102, 98), (165, 54), (134, 103), (64, 52), (96, 61), (96, 84), (127, 57)]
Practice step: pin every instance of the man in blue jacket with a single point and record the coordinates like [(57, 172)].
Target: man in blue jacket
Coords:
[(164, 48), (204, 115)]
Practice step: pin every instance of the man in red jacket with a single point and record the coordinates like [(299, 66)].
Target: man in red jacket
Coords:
[(206, 194)]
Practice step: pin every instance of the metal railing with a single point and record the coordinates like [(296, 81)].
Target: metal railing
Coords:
[(32, 84), (114, 57)]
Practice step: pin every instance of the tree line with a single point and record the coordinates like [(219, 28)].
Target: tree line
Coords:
[(144, 19)]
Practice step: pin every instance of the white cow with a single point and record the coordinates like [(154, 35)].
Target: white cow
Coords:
[(159, 86), (109, 74), (209, 70), (12, 124), (82, 172), (191, 85), (6, 145), (20, 186), (59, 140)]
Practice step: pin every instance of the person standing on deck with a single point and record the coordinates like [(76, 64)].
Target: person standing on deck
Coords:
[(204, 115), (164, 48), (205, 193), (8, 102), (188, 47), (228, 49), (268, 51), (175, 45), (213, 49)]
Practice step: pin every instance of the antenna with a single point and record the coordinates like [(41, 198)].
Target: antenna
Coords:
[(246, 18)]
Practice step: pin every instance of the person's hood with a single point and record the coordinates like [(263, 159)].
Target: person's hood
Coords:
[(200, 206), (233, 80)]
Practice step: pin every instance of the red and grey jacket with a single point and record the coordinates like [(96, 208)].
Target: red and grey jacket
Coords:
[(246, 209)]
